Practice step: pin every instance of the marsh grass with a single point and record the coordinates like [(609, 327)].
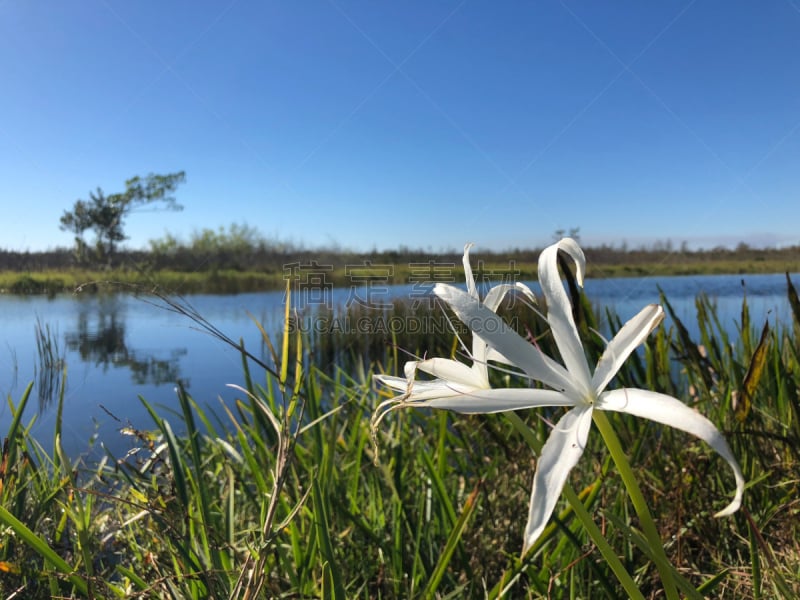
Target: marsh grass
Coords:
[(280, 494)]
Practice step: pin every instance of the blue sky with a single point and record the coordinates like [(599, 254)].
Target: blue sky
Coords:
[(425, 124)]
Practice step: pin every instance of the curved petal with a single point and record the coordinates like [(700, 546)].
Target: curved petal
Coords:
[(626, 341), (495, 295), (480, 350), (559, 310), (671, 411), (573, 249), (455, 372), (494, 331), (478, 345), (472, 290), (560, 453)]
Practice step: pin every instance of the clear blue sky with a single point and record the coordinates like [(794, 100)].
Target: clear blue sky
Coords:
[(426, 123)]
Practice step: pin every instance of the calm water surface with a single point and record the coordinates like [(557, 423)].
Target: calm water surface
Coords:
[(119, 347)]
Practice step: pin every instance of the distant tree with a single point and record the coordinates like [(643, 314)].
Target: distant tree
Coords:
[(236, 239), (106, 214), (78, 221), (662, 246), (574, 233), (233, 247)]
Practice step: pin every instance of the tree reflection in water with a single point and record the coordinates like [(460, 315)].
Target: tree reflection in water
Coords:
[(100, 338)]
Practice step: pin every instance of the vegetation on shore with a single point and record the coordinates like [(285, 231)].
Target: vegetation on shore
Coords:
[(282, 495), (238, 259)]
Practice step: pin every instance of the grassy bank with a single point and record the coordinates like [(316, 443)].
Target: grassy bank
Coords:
[(279, 494), (708, 267), (239, 261), (231, 281), (88, 281)]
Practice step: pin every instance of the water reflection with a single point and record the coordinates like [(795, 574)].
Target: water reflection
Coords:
[(100, 338), (50, 363)]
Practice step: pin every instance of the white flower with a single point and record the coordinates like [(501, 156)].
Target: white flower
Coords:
[(571, 384), (454, 379)]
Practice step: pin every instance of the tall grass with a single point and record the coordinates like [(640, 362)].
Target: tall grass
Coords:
[(280, 493)]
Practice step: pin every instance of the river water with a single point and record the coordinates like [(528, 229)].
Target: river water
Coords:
[(118, 347)]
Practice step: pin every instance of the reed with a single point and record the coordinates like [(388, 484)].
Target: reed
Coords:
[(49, 365)]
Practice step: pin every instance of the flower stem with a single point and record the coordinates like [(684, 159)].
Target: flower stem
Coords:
[(639, 504)]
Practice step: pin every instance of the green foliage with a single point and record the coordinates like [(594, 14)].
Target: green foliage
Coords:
[(237, 247), (106, 214), (279, 493), (237, 238)]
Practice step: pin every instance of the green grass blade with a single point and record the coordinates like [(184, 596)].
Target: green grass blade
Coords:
[(13, 429), (794, 300), (753, 376), (452, 542), (439, 486), (200, 489), (181, 487), (755, 562), (334, 588), (41, 548), (133, 576), (707, 588), (640, 542)]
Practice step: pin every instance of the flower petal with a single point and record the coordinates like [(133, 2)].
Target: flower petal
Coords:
[(559, 310), (495, 295), (495, 400), (626, 341), (481, 352), (472, 289), (478, 345), (421, 391), (671, 411), (454, 371), (560, 453), (396, 383), (494, 331)]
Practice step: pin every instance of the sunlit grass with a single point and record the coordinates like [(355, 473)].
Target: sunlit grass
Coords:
[(279, 494)]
